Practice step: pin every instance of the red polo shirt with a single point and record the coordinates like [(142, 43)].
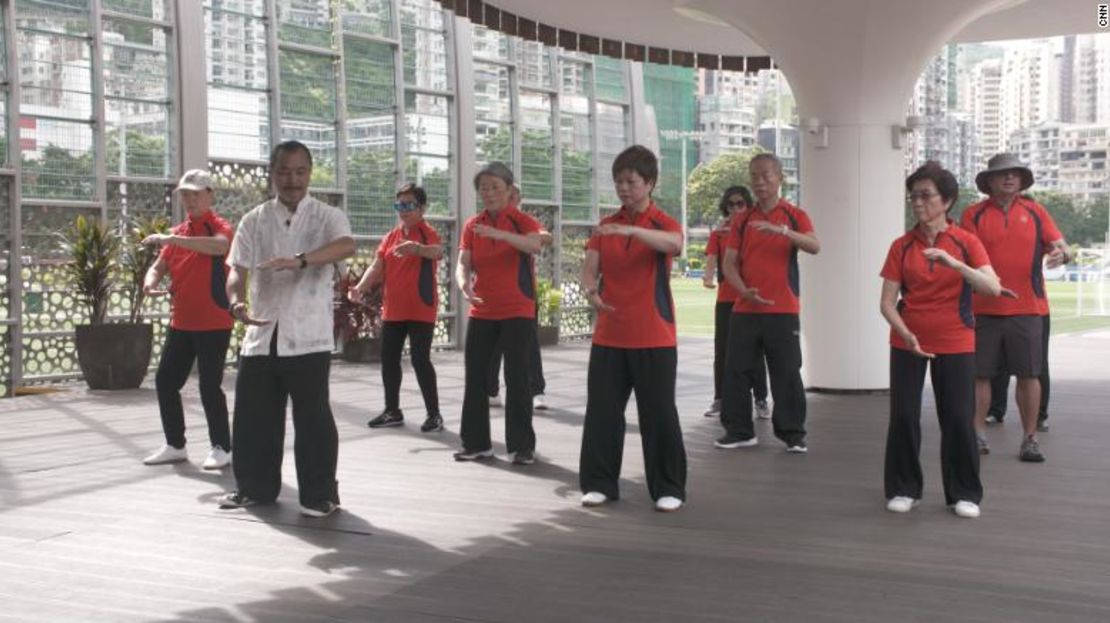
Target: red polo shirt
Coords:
[(198, 282), (935, 301), (636, 281), (769, 261), (1016, 242), (717, 246), (411, 292), (504, 276)]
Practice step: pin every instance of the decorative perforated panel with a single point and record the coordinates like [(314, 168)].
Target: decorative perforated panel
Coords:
[(240, 186), (577, 316), (545, 261)]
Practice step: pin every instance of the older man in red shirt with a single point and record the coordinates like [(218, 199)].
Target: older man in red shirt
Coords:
[(1010, 331)]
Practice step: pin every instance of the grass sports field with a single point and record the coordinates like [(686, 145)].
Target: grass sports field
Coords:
[(694, 308)]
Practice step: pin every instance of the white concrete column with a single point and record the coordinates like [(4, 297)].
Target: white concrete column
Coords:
[(852, 190), (852, 66)]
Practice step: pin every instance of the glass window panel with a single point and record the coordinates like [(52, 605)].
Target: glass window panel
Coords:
[(41, 225), (57, 158), (135, 61), (493, 113), (238, 124), (55, 75), (609, 75), (575, 139), (371, 181), (537, 146), (307, 86), (533, 64), (136, 138), (60, 16), (236, 50), (369, 72), (3, 134), (153, 9), (434, 174), (491, 44), (428, 161), (138, 199), (370, 17), (305, 21), (611, 141), (424, 45), (253, 8)]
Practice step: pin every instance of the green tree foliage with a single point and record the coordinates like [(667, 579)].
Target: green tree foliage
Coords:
[(709, 181), (1082, 222), (146, 154), (58, 174)]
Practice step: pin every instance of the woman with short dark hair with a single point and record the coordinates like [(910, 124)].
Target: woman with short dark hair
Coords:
[(928, 278), (626, 275), (496, 275), (733, 202), (405, 267)]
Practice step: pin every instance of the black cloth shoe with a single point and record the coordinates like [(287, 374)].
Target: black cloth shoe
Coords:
[(524, 457), (433, 424), (473, 455), (730, 441), (319, 509), (387, 419), (236, 499)]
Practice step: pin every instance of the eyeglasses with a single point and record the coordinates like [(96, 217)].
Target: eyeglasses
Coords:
[(404, 206), (923, 196), (738, 202)]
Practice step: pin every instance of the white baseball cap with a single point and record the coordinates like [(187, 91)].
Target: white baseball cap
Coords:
[(195, 179)]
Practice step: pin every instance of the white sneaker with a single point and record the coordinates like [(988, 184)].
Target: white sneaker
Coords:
[(668, 504), (167, 454), (965, 509), (539, 403), (218, 458), (901, 504), (594, 498)]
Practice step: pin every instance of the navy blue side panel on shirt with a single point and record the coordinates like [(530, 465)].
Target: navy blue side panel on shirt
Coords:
[(218, 282), (1038, 254), (425, 284), (525, 277)]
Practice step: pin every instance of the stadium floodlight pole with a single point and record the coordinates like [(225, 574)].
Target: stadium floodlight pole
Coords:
[(683, 136)]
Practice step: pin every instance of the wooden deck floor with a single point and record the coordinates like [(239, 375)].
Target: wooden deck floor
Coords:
[(88, 534)]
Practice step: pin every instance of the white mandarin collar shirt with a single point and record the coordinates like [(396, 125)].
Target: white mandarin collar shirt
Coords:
[(298, 302)]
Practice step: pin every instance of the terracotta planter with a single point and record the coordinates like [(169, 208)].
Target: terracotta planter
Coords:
[(363, 350), (114, 356), (548, 336)]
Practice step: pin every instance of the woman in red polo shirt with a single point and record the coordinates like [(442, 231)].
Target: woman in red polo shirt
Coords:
[(200, 324), (928, 278), (626, 275), (734, 201), (405, 266), (496, 275)]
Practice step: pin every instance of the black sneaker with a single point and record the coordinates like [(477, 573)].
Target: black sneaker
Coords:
[(433, 424), (473, 455), (387, 419), (994, 418), (524, 457), (1031, 451), (319, 509), (797, 447), (1042, 424), (236, 499), (730, 441)]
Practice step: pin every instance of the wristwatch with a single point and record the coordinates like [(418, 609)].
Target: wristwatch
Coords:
[(304, 260)]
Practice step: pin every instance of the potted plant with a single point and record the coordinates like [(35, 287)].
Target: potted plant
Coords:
[(549, 299), (358, 324), (111, 355)]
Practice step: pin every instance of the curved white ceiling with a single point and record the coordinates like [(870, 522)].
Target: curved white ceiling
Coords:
[(657, 23)]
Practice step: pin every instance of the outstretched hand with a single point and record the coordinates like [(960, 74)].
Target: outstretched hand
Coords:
[(752, 296)]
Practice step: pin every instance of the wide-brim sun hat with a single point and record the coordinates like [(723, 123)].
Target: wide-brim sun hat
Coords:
[(999, 163)]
